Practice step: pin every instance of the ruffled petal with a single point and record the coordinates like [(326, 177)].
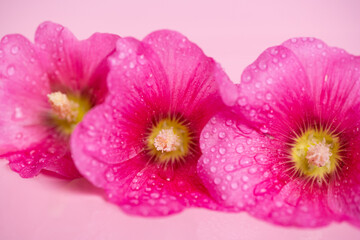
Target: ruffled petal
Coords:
[(344, 190), (109, 146), (108, 137), (52, 154), (168, 66), (334, 82), (273, 93), (108, 150), (240, 167), (193, 77), (136, 77), (72, 64), (151, 191), (23, 89)]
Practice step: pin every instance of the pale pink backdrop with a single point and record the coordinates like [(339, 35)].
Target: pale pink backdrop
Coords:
[(232, 32)]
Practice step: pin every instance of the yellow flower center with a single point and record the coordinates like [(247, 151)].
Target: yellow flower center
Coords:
[(169, 141), (67, 110), (315, 154)]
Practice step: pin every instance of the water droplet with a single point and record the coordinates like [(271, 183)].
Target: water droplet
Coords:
[(245, 178), (268, 96), (217, 180), (155, 195), (246, 79), (206, 160), (264, 129), (246, 161), (19, 136), (261, 159), (14, 50), (274, 51), (222, 151), (110, 175), (269, 81), (239, 148), (5, 40), (229, 167), (252, 170), (262, 65), (234, 185), (18, 114), (11, 70), (206, 135), (222, 135), (242, 101), (213, 169), (229, 122)]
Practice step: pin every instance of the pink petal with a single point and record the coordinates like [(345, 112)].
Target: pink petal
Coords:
[(273, 93), (240, 167), (192, 76), (23, 90), (344, 190), (108, 150), (75, 64), (109, 146), (52, 154), (168, 66), (333, 75)]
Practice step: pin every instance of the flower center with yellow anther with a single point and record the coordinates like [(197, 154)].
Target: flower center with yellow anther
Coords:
[(67, 110), (315, 153), (169, 141)]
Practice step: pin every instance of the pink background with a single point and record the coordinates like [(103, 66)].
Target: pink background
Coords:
[(232, 32)]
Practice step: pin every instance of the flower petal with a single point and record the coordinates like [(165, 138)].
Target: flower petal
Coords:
[(23, 90), (240, 167), (74, 64), (192, 76), (333, 75), (273, 90), (52, 154)]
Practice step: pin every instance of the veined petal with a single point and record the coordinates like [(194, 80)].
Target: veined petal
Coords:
[(73, 64), (246, 169), (23, 89)]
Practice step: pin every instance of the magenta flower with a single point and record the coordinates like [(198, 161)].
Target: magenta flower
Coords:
[(141, 145), (45, 90), (288, 151)]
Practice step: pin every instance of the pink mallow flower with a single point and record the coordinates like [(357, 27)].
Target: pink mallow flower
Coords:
[(288, 151), (45, 90), (142, 144)]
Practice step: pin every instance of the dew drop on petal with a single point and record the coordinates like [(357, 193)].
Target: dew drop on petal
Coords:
[(239, 148), (245, 161), (229, 122), (11, 70), (217, 181), (206, 135), (110, 175), (155, 195), (234, 185), (14, 50), (18, 114), (242, 101), (245, 178), (222, 151), (222, 135), (229, 167)]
